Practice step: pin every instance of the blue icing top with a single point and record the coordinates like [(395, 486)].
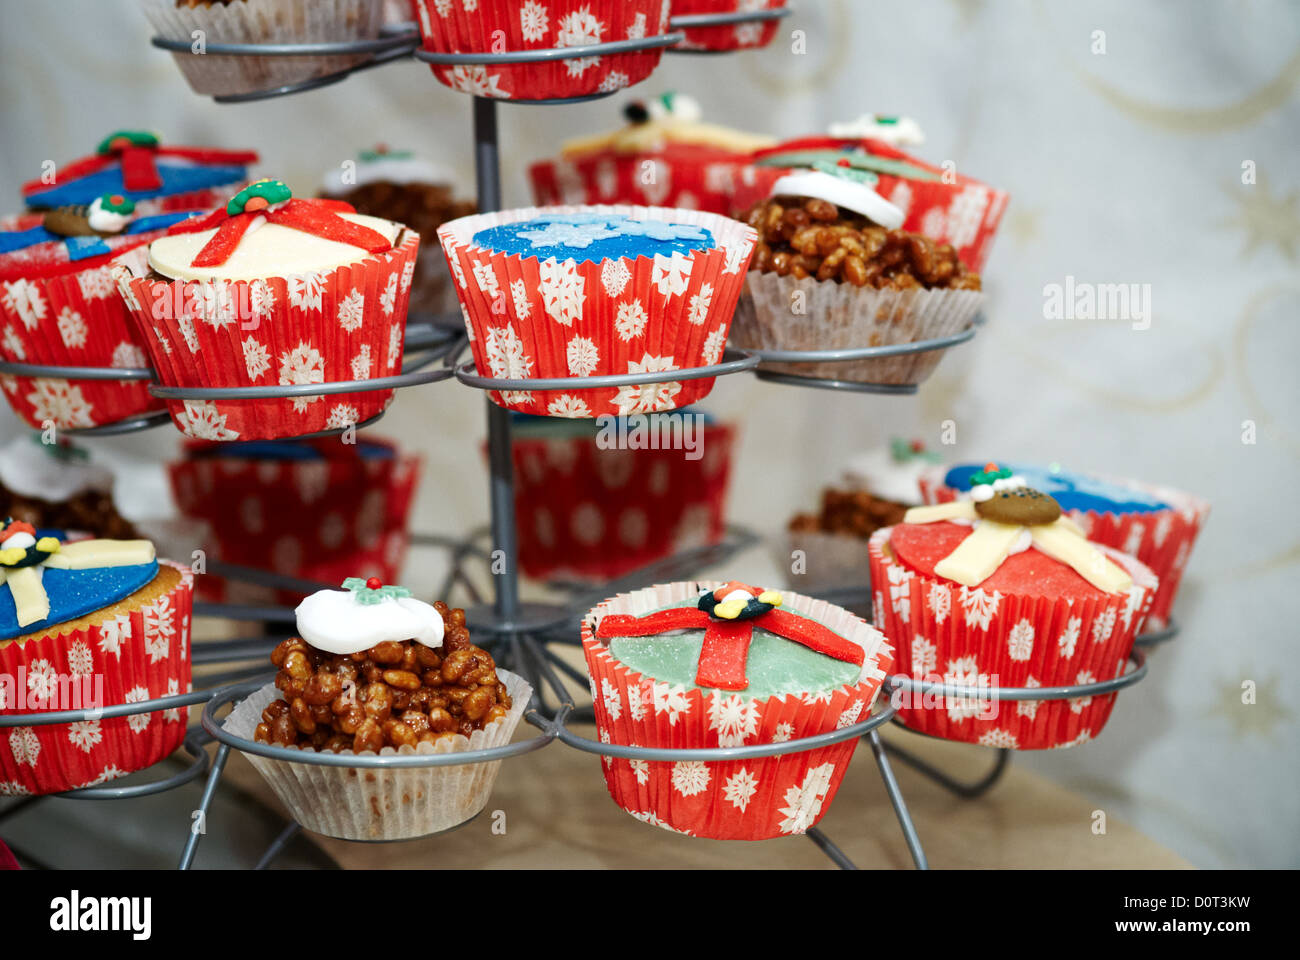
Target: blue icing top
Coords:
[(75, 593), (585, 237), (175, 177), (81, 248), (288, 450), (1073, 491)]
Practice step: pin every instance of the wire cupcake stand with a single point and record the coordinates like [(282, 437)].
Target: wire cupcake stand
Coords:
[(522, 636)]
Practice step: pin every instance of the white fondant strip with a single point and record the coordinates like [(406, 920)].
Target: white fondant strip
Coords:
[(844, 193)]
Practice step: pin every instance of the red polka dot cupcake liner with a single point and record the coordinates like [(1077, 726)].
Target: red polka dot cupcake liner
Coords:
[(753, 799), (449, 26), (965, 636), (340, 325), (130, 658)]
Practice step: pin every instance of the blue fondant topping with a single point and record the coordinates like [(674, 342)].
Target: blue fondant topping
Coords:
[(83, 248), (1073, 491), (593, 237), (75, 593), (270, 450), (176, 178), (79, 248)]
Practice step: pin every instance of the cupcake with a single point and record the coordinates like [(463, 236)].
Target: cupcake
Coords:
[(745, 35), (833, 271), (877, 488), (686, 664), (54, 486), (1001, 589), (135, 164), (1156, 524), (262, 21), (666, 155), (398, 186), (59, 307), (595, 510), (375, 672), (306, 509), (949, 207), (90, 624), (578, 291), (542, 25), (274, 290)]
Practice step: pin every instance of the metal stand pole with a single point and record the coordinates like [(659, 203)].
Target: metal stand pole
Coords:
[(209, 790)]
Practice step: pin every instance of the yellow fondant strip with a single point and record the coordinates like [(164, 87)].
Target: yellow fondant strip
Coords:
[(101, 553), (30, 600), (1059, 541), (980, 554), (956, 510)]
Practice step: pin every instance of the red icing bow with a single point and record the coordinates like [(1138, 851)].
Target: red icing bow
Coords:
[(139, 172), (726, 641), (317, 217)]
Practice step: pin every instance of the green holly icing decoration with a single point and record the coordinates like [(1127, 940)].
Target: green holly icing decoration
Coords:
[(905, 451), (364, 593), (858, 160), (136, 138), (886, 121), (61, 450), (383, 153), (259, 195), (846, 171), (991, 472), (116, 203)]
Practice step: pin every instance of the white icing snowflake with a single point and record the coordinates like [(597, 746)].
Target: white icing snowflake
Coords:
[(302, 364), (647, 397), (61, 402), (998, 738), (1020, 641), (306, 290), (925, 659), (631, 320), (25, 746), (1069, 636), (342, 416), (519, 296), (84, 735), (533, 21), (476, 80), (614, 276), (611, 699), (803, 804), (579, 29), (138, 722), (562, 290), (81, 662), (72, 329), (582, 356), (159, 628), (735, 718), (714, 344), (127, 355), (112, 633), (783, 732), (671, 275), (96, 284), (979, 606), (690, 777), (24, 298), (671, 699), (352, 310), (395, 334), (13, 343), (257, 359), (570, 407), (739, 788), (361, 363), (700, 303), (1103, 625), (202, 420)]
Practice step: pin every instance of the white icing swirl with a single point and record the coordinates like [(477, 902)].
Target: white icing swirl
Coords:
[(30, 470), (901, 132), (842, 192), (399, 170), (335, 622)]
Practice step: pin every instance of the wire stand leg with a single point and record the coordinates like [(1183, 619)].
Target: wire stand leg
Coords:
[(900, 805), (967, 790), (837, 855), (291, 830), (209, 790)]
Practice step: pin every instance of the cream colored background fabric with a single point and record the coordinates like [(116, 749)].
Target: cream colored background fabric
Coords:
[(1123, 167)]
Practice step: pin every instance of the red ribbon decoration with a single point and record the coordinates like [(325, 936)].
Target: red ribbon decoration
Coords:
[(139, 172), (726, 642), (317, 217)]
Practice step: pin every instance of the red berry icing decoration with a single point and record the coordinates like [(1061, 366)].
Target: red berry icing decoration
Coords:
[(374, 583)]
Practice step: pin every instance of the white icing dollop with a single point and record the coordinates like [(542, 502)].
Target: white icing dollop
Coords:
[(895, 131), (984, 491), (29, 470), (743, 596), (106, 221), (842, 192), (683, 108), (335, 622), (20, 541), (878, 472), (400, 170)]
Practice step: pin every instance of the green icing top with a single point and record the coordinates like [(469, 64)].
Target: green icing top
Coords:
[(775, 666)]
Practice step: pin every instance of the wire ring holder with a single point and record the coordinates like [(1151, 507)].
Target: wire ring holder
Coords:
[(901, 683), (699, 21), (738, 360)]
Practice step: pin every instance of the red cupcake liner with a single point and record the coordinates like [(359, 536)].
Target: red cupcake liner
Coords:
[(451, 27), (344, 324), (733, 36), (138, 657), (530, 318), (685, 175), (949, 633), (735, 800), (1161, 539), (594, 514), (322, 520), (73, 319)]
